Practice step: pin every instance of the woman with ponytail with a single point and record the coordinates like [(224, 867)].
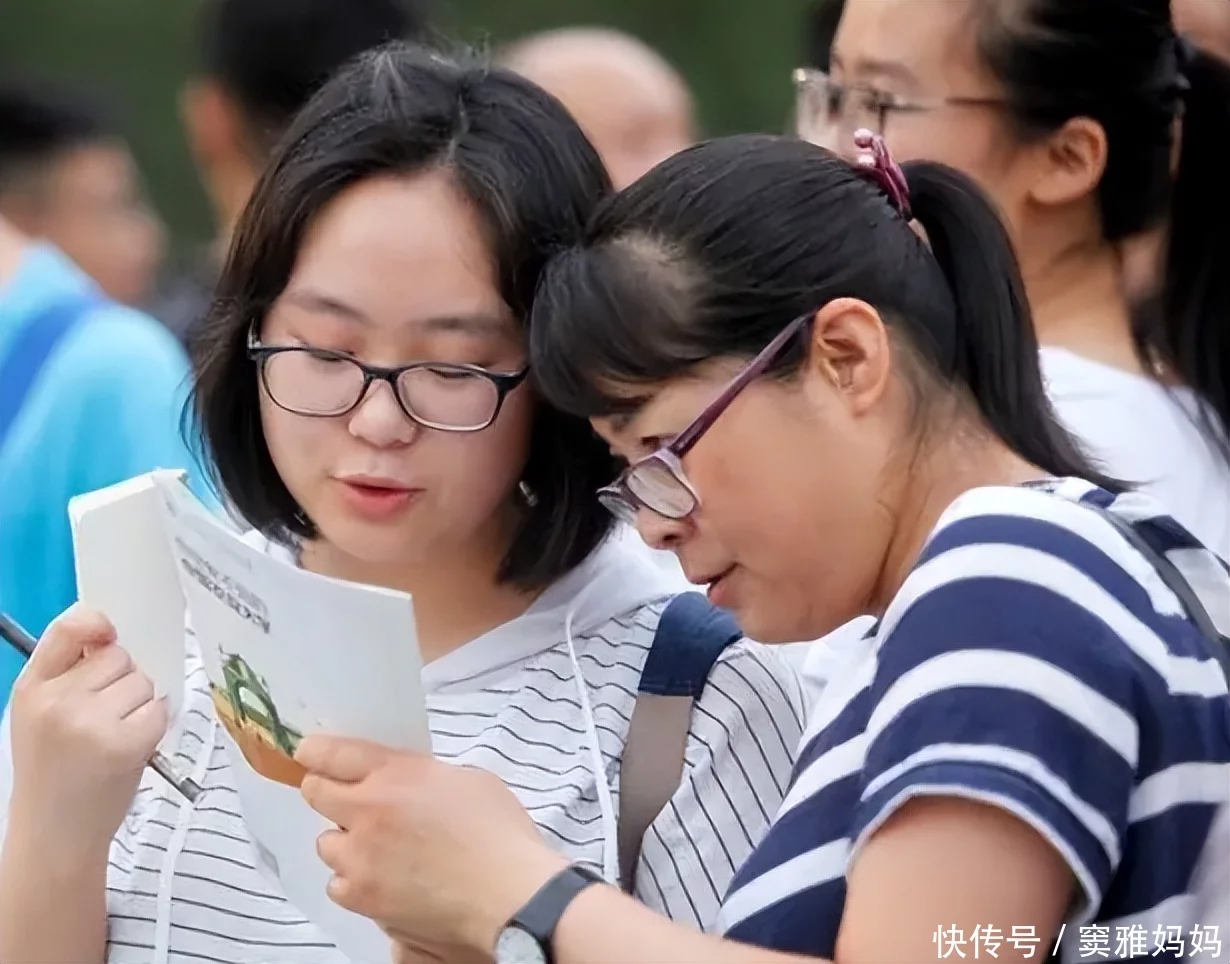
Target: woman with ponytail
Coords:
[(825, 384), (1090, 124)]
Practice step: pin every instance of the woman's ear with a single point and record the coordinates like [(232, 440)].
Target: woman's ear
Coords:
[(849, 354), (1073, 162)]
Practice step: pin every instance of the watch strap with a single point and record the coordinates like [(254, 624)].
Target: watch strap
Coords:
[(541, 914)]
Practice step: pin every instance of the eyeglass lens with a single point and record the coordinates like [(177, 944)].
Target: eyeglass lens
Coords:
[(825, 111), (312, 384)]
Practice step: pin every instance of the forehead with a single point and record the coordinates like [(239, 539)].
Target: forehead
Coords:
[(413, 246), (1206, 23), (927, 40)]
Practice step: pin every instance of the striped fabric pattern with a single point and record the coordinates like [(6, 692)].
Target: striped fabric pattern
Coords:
[(1035, 662), (182, 886)]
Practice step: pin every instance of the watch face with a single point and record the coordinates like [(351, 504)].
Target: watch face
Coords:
[(517, 946)]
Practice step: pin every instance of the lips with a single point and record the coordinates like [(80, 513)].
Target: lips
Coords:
[(376, 498), (718, 584)]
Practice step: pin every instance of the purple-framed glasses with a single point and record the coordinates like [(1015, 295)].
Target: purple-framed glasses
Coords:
[(657, 482)]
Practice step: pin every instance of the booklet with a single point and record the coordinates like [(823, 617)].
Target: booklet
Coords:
[(119, 543), (287, 653)]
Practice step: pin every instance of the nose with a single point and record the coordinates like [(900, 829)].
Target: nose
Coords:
[(660, 532), (380, 421)]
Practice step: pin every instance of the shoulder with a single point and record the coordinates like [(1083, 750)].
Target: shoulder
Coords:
[(685, 646), (116, 342), (1051, 541), (759, 670), (1034, 589)]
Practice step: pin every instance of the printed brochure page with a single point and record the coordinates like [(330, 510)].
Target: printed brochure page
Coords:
[(289, 653)]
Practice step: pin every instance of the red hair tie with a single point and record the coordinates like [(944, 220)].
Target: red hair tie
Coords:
[(876, 162)]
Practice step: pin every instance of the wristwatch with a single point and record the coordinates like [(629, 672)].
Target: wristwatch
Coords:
[(526, 939)]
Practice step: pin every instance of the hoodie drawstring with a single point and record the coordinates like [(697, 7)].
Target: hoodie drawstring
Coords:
[(610, 835), (179, 836)]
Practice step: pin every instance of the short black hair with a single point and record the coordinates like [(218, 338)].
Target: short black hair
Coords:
[(717, 249), (1122, 65), (270, 56), (40, 122), (521, 160)]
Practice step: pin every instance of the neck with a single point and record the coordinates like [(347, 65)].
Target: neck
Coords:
[(961, 461), (1078, 303), (457, 598), (12, 248)]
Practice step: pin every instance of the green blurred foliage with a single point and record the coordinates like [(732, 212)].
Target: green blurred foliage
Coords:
[(735, 53)]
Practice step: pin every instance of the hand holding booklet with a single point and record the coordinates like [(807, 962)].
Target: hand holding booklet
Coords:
[(287, 653)]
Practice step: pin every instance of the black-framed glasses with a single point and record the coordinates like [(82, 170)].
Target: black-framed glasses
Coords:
[(828, 113), (319, 383), (657, 482)]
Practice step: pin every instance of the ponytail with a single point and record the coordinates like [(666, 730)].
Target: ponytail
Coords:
[(1194, 335), (997, 351)]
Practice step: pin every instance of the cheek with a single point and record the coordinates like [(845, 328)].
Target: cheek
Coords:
[(797, 512), (963, 138), (475, 473), (300, 447), (754, 491)]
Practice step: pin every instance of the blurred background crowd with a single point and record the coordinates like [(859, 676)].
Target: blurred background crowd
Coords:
[(130, 132), (128, 129)]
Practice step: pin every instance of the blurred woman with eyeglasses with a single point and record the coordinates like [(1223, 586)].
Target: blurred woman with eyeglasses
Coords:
[(364, 392), (1088, 123)]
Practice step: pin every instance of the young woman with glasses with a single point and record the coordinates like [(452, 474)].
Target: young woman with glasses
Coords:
[(366, 396), (1090, 124), (827, 415)]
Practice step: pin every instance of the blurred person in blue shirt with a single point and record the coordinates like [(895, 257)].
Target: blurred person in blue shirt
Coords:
[(104, 405)]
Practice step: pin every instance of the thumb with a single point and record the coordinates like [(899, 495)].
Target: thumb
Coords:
[(71, 636)]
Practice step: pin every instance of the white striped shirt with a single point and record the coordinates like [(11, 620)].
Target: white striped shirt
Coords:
[(1033, 661), (182, 885)]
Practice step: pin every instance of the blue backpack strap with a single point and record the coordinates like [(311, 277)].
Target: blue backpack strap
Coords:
[(32, 345), (690, 637)]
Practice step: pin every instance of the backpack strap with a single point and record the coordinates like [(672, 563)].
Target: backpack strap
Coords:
[(1175, 582), (32, 345), (690, 637)]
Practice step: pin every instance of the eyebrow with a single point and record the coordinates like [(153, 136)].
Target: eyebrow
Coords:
[(621, 421), (471, 324), (887, 69)]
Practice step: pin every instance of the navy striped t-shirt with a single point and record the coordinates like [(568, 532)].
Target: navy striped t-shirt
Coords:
[(1033, 660)]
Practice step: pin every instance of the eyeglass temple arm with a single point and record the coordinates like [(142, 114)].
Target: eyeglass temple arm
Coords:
[(754, 369)]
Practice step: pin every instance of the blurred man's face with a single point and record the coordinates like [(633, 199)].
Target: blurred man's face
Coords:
[(89, 205), (633, 107)]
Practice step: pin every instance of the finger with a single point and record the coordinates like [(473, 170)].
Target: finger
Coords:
[(340, 759), (98, 669), (147, 724), (66, 640), (342, 892), (127, 694), (332, 800), (331, 847)]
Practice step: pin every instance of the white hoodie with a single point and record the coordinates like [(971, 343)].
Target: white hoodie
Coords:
[(543, 701)]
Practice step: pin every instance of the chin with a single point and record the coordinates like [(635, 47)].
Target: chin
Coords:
[(771, 622), (769, 631), (372, 544)]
